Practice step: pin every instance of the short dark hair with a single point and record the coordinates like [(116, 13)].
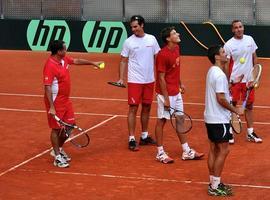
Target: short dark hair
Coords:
[(165, 33), (56, 45), (139, 18), (212, 51), (235, 21)]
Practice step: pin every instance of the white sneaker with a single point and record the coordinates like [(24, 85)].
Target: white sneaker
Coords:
[(191, 155), (254, 138), (164, 158), (62, 153), (59, 161)]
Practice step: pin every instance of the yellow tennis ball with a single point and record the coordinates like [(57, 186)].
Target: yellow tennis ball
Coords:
[(102, 65), (242, 60)]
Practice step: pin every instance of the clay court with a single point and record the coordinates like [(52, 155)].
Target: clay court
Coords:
[(106, 169)]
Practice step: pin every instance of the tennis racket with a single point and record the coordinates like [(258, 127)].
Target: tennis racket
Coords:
[(236, 123), (77, 136), (180, 120), (235, 120), (116, 84), (253, 81)]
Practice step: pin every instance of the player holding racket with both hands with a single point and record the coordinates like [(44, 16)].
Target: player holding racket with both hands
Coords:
[(217, 115), (56, 80), (168, 94)]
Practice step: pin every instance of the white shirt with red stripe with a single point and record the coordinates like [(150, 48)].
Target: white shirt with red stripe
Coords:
[(237, 49), (140, 52)]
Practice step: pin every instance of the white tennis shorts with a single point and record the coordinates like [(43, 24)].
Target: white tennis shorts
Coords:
[(176, 102)]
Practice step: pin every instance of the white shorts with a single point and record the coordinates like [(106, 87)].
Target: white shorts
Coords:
[(176, 102)]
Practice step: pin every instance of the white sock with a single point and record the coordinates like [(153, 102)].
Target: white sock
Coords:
[(160, 150), (185, 147), (131, 137), (211, 178), (144, 135), (249, 130), (215, 182)]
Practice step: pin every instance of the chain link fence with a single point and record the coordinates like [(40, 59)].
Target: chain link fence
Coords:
[(192, 11)]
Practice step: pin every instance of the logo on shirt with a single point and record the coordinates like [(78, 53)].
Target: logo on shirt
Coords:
[(104, 37), (46, 78), (177, 62), (41, 32)]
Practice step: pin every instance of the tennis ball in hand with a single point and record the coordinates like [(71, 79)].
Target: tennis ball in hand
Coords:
[(242, 60), (102, 65)]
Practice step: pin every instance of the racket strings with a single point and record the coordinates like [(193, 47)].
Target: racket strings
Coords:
[(79, 138), (181, 122), (236, 123), (254, 76)]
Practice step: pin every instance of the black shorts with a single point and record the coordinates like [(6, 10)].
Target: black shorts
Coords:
[(218, 132)]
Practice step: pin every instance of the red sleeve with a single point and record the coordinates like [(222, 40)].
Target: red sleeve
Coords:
[(69, 60), (161, 63), (48, 74)]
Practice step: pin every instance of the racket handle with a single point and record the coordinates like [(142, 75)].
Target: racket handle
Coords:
[(244, 104), (56, 118)]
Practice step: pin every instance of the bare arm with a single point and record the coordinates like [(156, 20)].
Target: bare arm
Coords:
[(225, 104), (48, 92), (122, 67), (78, 61), (163, 88), (254, 58)]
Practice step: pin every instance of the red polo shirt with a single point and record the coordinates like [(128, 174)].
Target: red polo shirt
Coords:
[(168, 62), (56, 74)]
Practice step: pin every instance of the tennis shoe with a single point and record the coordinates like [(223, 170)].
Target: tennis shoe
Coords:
[(191, 155), (254, 138), (147, 141), (222, 190), (132, 145), (62, 153), (164, 158), (59, 161), (227, 187)]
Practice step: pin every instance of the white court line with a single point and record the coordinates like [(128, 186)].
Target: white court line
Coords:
[(143, 178), (107, 115), (47, 150), (104, 99)]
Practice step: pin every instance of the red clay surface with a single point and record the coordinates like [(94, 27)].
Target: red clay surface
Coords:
[(107, 169)]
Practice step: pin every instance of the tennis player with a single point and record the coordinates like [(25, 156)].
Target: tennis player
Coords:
[(139, 52), (167, 89), (56, 80), (241, 50), (217, 119)]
